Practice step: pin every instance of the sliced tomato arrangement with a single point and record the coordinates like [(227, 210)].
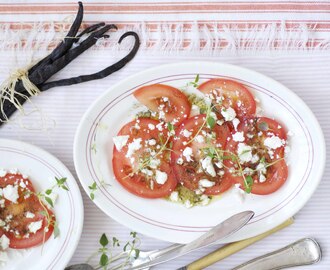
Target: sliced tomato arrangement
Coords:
[(148, 133), (191, 159), (19, 214), (264, 140), (169, 102), (188, 168), (227, 93)]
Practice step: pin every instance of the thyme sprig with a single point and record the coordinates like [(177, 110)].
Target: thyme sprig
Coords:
[(108, 252), (92, 188)]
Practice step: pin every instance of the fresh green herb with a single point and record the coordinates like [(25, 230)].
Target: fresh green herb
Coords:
[(210, 122), (248, 184), (195, 82), (92, 188), (109, 252)]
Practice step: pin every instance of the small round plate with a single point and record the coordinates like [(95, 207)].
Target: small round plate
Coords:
[(173, 222), (42, 168)]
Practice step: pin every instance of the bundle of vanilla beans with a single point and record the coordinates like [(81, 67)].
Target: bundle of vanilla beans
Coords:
[(23, 84)]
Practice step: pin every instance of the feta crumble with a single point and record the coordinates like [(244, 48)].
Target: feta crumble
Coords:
[(10, 193), (35, 226), (194, 110), (120, 141), (4, 242), (199, 139), (229, 114), (208, 166), (205, 183), (29, 215), (187, 152), (274, 142), (239, 136), (3, 173), (186, 133), (174, 197), (161, 177), (244, 152), (151, 126), (133, 146)]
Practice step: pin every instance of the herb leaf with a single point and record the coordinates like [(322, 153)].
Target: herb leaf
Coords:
[(104, 260), (50, 201), (56, 230), (263, 126), (248, 184), (210, 122), (104, 240)]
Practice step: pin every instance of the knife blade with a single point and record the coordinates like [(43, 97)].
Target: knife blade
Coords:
[(221, 231)]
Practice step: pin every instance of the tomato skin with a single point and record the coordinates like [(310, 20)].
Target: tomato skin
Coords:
[(136, 184), (187, 174), (232, 91), (19, 221), (178, 106), (277, 173)]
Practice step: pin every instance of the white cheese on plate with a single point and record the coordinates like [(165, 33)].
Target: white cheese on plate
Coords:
[(235, 123), (229, 114), (244, 152), (208, 166), (174, 197), (151, 126), (274, 142), (239, 136), (205, 200), (161, 177), (133, 146), (35, 226), (3, 172), (199, 139), (186, 133), (29, 215), (205, 183), (10, 193), (120, 141), (194, 110), (187, 152), (4, 242), (188, 204)]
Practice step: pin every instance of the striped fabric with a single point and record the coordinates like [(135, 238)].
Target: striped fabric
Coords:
[(286, 40)]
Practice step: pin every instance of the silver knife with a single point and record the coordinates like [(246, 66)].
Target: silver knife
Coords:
[(219, 232)]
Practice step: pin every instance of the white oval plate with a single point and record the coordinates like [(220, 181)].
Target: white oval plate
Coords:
[(42, 168), (172, 222)]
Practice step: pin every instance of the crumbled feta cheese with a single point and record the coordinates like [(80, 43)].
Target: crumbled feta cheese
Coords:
[(161, 115), (14, 171), (219, 164), (274, 142), (147, 172), (4, 242), (220, 122), (151, 126), (161, 177), (133, 146), (120, 141), (208, 166), (187, 152), (239, 103), (152, 142), (244, 152), (35, 226), (205, 183), (154, 163), (165, 99), (199, 139), (205, 200), (255, 158), (248, 171), (186, 133), (29, 215), (261, 167), (235, 123), (188, 204), (229, 114), (10, 193), (179, 161), (22, 184), (174, 197), (262, 178), (239, 136), (194, 110), (159, 126), (3, 172)]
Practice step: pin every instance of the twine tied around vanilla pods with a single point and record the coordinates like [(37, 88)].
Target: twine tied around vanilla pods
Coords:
[(8, 92)]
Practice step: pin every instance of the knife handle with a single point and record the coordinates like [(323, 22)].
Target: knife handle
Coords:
[(303, 252), (232, 248)]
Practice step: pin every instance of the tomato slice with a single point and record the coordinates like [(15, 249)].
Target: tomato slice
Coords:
[(17, 217), (127, 168), (264, 143), (169, 102), (194, 133), (227, 93)]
